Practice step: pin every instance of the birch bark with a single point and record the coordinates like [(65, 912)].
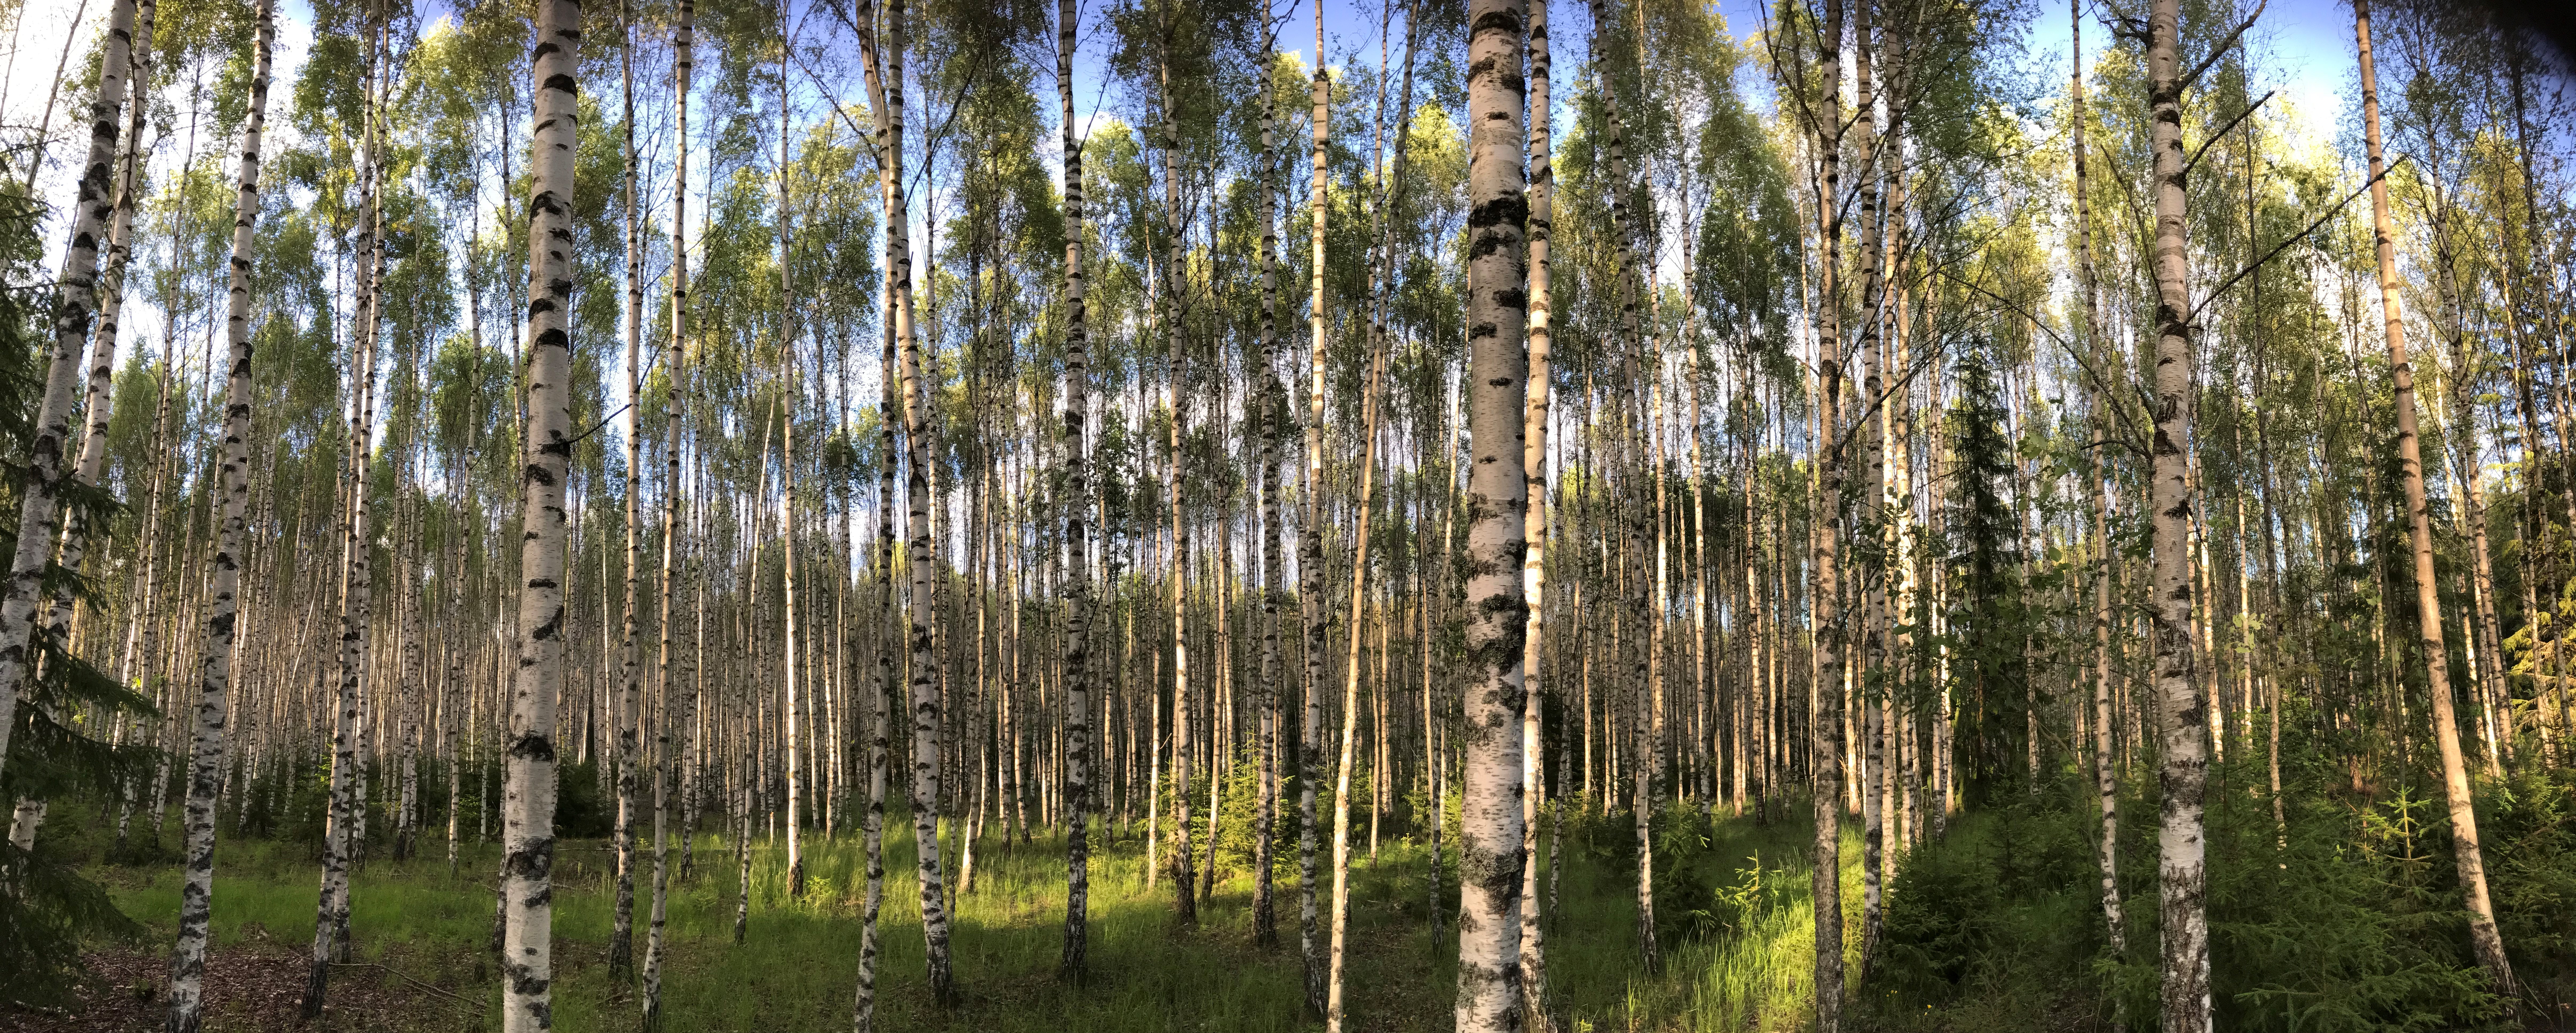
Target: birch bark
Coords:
[(682, 57), (528, 840), (1077, 491), (207, 762), (884, 72), (1491, 850), (75, 305), (2182, 874), (1534, 468)]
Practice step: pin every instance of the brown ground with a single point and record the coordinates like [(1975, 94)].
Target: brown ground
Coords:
[(251, 986)]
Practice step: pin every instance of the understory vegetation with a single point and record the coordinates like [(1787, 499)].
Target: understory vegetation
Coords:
[(2347, 923)]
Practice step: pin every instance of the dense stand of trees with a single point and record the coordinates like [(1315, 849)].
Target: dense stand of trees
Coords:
[(1860, 421)]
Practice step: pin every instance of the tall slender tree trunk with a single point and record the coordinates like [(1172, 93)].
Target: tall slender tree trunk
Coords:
[(798, 680), (1871, 697), (1534, 468), (528, 840), (1310, 545), (683, 40), (99, 406), (2483, 936), (75, 305), (884, 71), (621, 937), (2182, 872), (2106, 784), (207, 761), (881, 679), (1184, 876), (1351, 662), (1077, 492), (344, 829), (1492, 852), (1271, 404), (1825, 706)]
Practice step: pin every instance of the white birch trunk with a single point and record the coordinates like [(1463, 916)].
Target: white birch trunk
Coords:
[(884, 72), (2182, 875), (621, 937), (206, 766), (1077, 490), (1491, 850), (682, 40), (1534, 468), (1310, 544), (528, 841), (75, 305)]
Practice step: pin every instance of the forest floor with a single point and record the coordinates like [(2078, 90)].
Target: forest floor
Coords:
[(1740, 960)]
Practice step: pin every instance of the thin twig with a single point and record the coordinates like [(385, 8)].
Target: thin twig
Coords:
[(2291, 239), (2196, 152), (2222, 48), (2131, 439)]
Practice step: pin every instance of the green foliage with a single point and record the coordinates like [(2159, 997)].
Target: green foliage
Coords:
[(1997, 909), (48, 912), (2349, 919), (581, 811), (2529, 828), (2356, 925), (1999, 607), (59, 744)]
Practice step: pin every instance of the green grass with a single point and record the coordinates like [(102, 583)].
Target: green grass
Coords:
[(796, 969)]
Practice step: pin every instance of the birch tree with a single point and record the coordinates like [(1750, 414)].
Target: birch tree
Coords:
[(1491, 849), (528, 839), (2465, 854), (207, 760)]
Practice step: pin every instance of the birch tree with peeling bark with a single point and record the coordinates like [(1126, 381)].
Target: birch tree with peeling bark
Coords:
[(2182, 873), (1491, 851), (207, 761), (884, 71), (528, 810), (1076, 658)]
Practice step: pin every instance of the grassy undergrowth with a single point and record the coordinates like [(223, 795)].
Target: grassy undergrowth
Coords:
[(2350, 922), (796, 968)]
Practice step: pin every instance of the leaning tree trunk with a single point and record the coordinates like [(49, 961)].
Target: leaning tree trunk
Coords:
[(528, 840), (75, 305), (100, 405), (884, 72), (1491, 851), (1076, 673), (2483, 936), (206, 765), (1310, 545), (2182, 870)]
